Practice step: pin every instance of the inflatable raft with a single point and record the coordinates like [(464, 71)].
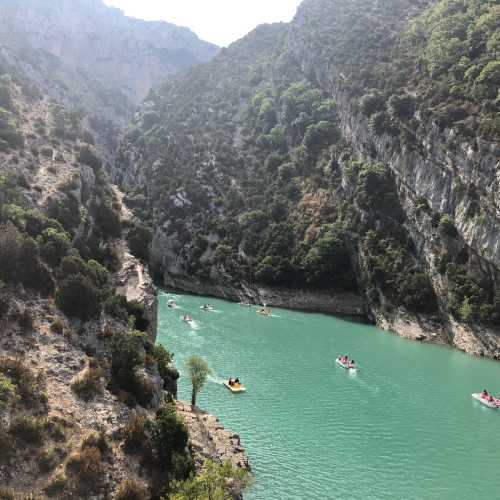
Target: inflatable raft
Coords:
[(490, 404), (347, 366), (236, 388)]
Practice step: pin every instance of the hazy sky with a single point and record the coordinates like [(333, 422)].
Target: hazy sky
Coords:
[(217, 21)]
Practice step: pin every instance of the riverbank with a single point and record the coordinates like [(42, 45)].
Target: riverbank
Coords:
[(482, 342), (306, 300)]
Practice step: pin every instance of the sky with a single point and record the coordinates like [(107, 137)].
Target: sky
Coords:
[(217, 21)]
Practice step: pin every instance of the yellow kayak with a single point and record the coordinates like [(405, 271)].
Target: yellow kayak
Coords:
[(236, 388)]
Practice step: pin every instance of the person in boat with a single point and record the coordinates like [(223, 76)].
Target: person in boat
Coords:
[(231, 382), (484, 394), (237, 381), (352, 363)]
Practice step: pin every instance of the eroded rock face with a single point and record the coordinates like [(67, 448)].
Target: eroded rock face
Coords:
[(209, 439), (93, 57)]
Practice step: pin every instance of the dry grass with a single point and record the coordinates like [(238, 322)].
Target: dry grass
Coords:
[(28, 429), (57, 326), (56, 484), (131, 490), (6, 494), (88, 384), (86, 465), (28, 384), (134, 433)]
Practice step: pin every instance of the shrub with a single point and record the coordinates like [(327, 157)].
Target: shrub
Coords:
[(7, 390), (9, 133), (57, 326), (169, 434), (131, 490), (28, 385), (97, 274), (164, 361), (56, 485), (134, 432), (4, 306), (95, 440), (139, 238), (213, 481), (136, 309), (466, 310), (447, 226), (54, 245), (47, 459), (86, 464), (25, 320), (372, 103), (6, 494), (116, 306), (65, 208), (5, 97), (78, 297), (88, 384), (28, 429), (88, 157), (402, 106), (108, 221)]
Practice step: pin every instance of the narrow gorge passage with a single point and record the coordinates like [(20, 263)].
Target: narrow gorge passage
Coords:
[(404, 426)]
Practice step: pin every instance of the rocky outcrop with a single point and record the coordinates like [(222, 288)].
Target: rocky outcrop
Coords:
[(93, 57), (209, 439), (136, 285)]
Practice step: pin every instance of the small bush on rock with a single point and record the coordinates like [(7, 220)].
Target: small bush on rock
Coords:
[(28, 429), (88, 384), (131, 490), (89, 157), (78, 297)]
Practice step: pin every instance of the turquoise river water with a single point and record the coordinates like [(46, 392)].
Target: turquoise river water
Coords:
[(403, 427)]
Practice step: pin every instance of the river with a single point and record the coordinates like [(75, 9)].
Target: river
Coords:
[(402, 427)]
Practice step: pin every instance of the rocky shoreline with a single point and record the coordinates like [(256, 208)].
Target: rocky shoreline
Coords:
[(328, 302), (422, 328), (210, 440)]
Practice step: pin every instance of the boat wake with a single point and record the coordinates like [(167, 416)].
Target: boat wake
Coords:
[(216, 379)]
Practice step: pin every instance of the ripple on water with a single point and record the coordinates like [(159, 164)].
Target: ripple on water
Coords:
[(402, 427)]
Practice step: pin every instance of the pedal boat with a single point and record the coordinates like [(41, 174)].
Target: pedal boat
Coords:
[(347, 366), (235, 388), (490, 404)]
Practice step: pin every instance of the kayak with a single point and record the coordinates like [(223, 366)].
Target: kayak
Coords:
[(236, 388), (347, 366), (490, 404)]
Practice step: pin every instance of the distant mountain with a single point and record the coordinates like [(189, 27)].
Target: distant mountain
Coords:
[(93, 57)]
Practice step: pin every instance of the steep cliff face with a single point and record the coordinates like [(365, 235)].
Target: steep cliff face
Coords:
[(69, 299), (94, 58), (351, 151)]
